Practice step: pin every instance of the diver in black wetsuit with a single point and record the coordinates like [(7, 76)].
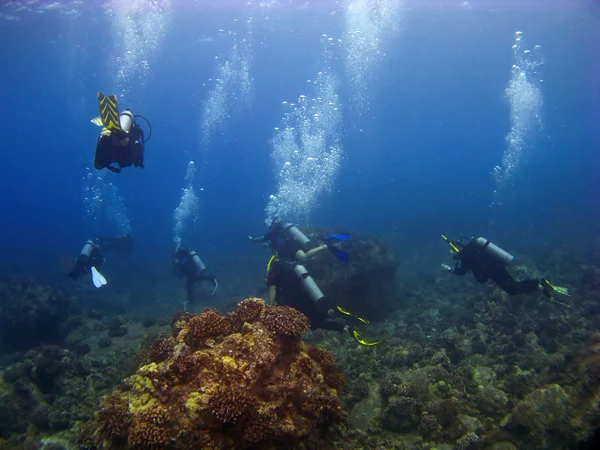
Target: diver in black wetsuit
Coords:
[(90, 256), (187, 263), (125, 150), (91, 260), (290, 283), (121, 140), (286, 289), (487, 261)]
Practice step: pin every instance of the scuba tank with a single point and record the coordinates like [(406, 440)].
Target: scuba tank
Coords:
[(122, 137), (87, 248), (494, 251), (309, 285), (126, 120), (200, 267), (296, 234)]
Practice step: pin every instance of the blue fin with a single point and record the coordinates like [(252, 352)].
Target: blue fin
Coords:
[(337, 237), (341, 255)]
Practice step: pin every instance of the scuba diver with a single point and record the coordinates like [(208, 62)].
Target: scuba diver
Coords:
[(487, 261), (121, 140), (90, 257), (187, 263), (291, 284), (287, 241)]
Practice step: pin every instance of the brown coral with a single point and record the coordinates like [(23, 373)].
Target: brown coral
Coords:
[(113, 418), (204, 325), (152, 430), (230, 405), (284, 321), (236, 382), (247, 311), (161, 349)]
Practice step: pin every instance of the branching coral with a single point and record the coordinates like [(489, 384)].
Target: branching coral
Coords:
[(284, 321), (248, 311), (161, 349), (241, 381), (206, 325)]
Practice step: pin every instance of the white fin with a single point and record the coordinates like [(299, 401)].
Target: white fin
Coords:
[(97, 121), (97, 278), (216, 287)]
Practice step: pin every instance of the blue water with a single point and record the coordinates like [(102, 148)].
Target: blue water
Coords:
[(416, 165)]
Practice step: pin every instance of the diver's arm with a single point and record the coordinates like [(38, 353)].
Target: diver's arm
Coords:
[(261, 239), (459, 269)]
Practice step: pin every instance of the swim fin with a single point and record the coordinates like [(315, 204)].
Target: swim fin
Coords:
[(337, 237), (341, 255), (361, 341), (109, 112), (348, 313), (216, 287), (97, 278)]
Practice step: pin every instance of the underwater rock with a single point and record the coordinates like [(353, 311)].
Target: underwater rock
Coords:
[(544, 414), (117, 331), (244, 380), (31, 314), (104, 342), (365, 285)]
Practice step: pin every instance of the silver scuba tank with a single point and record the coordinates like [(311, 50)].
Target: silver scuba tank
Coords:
[(126, 120), (197, 262), (296, 234), (494, 251), (87, 248), (309, 285)]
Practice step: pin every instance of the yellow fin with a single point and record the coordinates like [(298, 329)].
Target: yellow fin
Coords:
[(97, 121), (109, 111)]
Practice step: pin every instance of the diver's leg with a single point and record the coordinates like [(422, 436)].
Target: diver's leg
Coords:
[(303, 256), (505, 281), (272, 295)]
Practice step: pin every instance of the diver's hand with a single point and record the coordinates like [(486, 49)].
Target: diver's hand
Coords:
[(446, 267)]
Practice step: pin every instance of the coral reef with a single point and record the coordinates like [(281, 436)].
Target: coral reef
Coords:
[(243, 380)]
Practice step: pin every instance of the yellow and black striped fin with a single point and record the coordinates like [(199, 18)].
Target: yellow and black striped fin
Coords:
[(361, 341), (343, 311), (348, 313), (109, 111)]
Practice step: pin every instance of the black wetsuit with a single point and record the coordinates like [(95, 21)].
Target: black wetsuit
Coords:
[(485, 267), (108, 151), (184, 266), (84, 263), (291, 293)]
